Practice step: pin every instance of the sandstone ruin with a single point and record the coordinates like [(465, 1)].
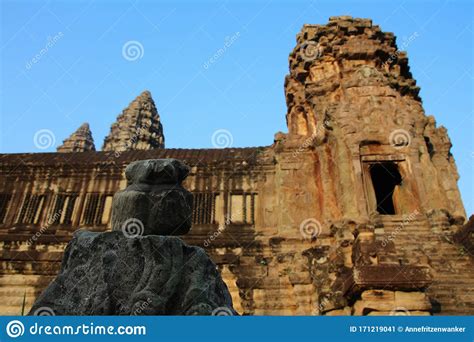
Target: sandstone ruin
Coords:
[(354, 211)]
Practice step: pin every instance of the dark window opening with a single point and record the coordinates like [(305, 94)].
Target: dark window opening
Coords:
[(31, 210), (95, 204), (204, 205), (4, 201), (63, 207), (385, 177)]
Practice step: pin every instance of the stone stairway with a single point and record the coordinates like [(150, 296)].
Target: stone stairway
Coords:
[(420, 242)]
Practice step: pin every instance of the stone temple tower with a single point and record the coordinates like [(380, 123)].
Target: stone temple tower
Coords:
[(80, 141), (350, 92), (137, 128)]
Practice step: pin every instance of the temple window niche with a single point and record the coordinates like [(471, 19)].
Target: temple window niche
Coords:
[(389, 184)]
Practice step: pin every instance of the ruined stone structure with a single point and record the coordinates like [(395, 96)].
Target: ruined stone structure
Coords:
[(355, 210)]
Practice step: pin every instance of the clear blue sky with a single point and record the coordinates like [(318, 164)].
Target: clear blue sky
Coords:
[(83, 76)]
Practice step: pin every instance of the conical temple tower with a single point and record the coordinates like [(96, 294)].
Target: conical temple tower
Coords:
[(79, 141), (137, 128)]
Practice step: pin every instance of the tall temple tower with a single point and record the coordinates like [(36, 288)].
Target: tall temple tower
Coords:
[(137, 128), (351, 93)]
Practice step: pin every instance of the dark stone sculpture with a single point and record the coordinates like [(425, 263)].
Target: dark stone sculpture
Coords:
[(135, 270), (110, 274)]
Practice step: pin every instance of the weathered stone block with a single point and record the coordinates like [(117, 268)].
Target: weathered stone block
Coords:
[(412, 300), (154, 202)]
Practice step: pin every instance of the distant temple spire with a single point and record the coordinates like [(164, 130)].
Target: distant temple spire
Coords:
[(79, 141), (138, 127)]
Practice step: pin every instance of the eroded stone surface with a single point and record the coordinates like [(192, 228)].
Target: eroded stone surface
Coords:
[(154, 201), (110, 274)]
